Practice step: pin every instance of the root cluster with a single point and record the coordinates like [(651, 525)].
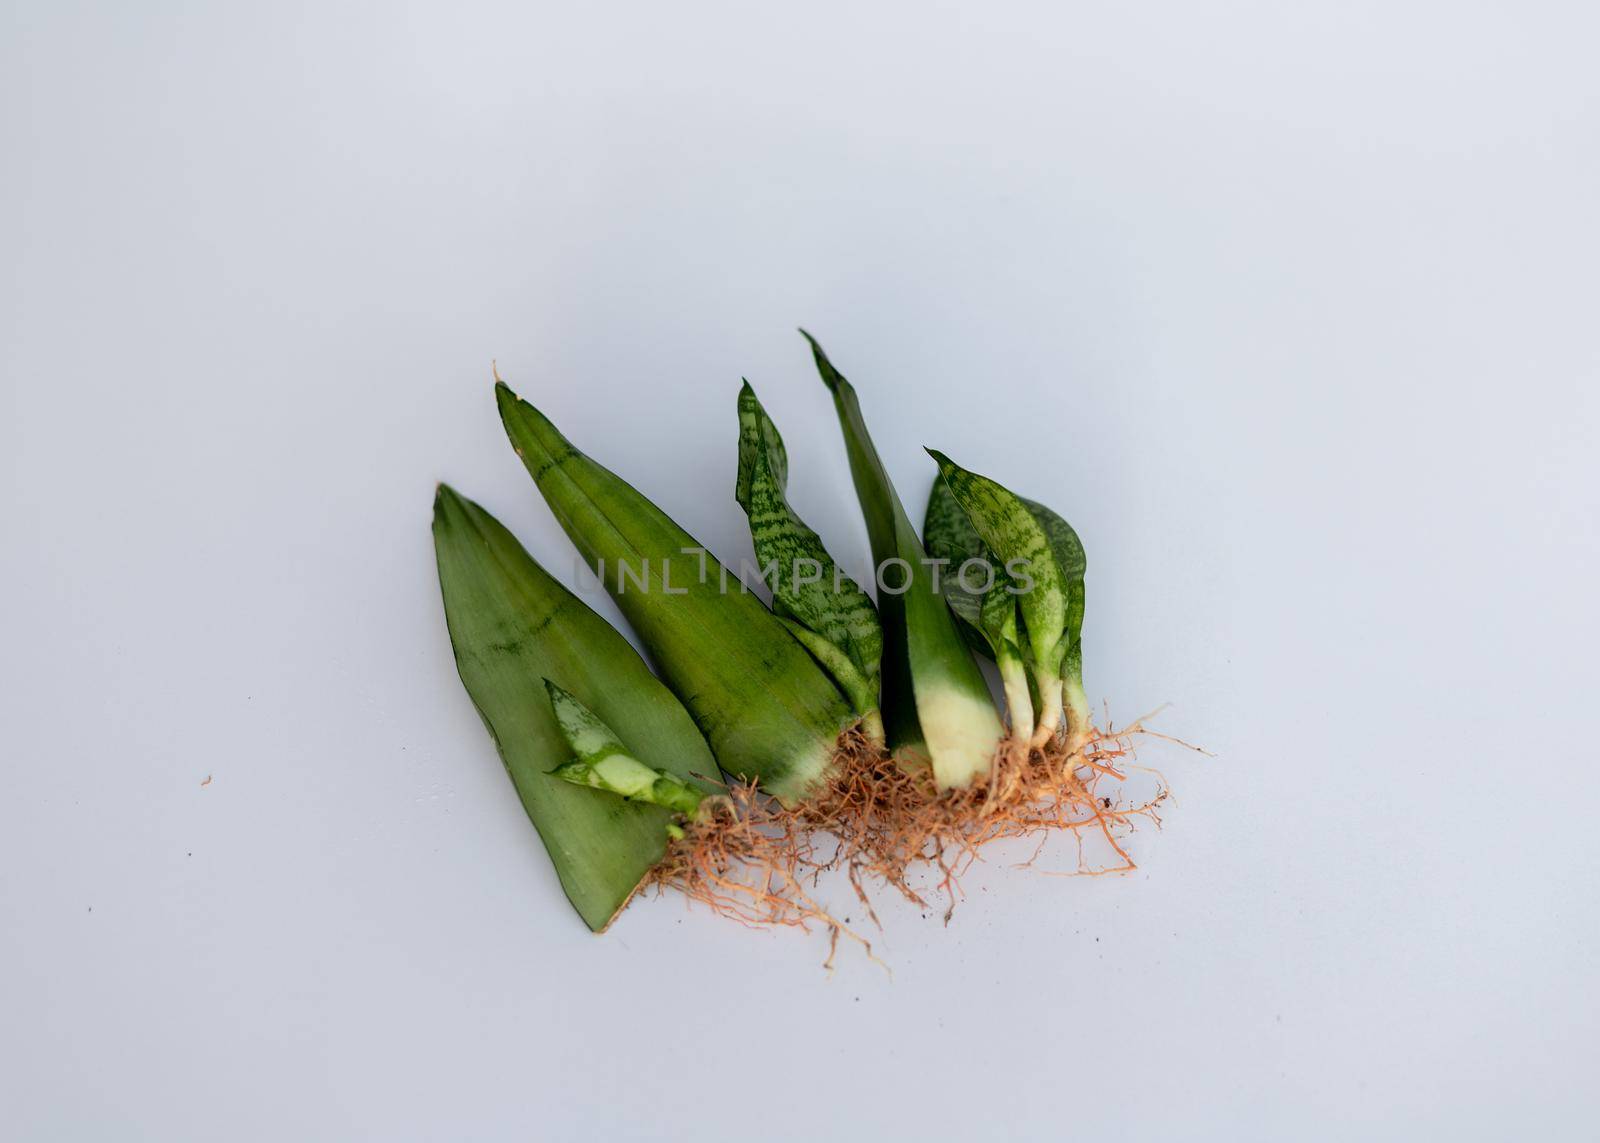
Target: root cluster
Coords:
[(885, 824)]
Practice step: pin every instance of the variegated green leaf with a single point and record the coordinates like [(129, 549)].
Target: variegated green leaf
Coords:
[(1070, 559), (951, 538), (998, 614), (858, 688), (806, 584), (976, 586), (1022, 546), (1075, 701), (1070, 556), (998, 620), (603, 762), (590, 739)]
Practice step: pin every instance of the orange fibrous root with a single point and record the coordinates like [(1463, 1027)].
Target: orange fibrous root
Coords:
[(882, 822)]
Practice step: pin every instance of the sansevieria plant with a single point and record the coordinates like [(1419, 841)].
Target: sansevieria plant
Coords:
[(765, 727)]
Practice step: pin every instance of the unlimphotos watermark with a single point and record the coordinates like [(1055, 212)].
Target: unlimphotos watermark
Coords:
[(893, 576)]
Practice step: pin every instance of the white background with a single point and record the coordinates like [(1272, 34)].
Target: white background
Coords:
[(1290, 308)]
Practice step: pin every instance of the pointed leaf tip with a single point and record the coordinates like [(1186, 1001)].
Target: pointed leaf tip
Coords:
[(831, 377), (445, 497)]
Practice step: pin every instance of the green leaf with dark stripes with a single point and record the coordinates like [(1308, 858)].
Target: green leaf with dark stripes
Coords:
[(950, 537), (1022, 546), (1069, 555), (979, 591), (1068, 550), (588, 737), (807, 586), (602, 761), (858, 688)]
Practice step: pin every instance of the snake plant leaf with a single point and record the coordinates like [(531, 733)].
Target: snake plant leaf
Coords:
[(603, 762), (951, 539), (998, 619), (1051, 606), (769, 711), (857, 687), (950, 536), (982, 595), (807, 586), (973, 581), (1068, 551), (1070, 557), (588, 737), (1074, 698), (935, 700), (512, 625), (1017, 539)]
